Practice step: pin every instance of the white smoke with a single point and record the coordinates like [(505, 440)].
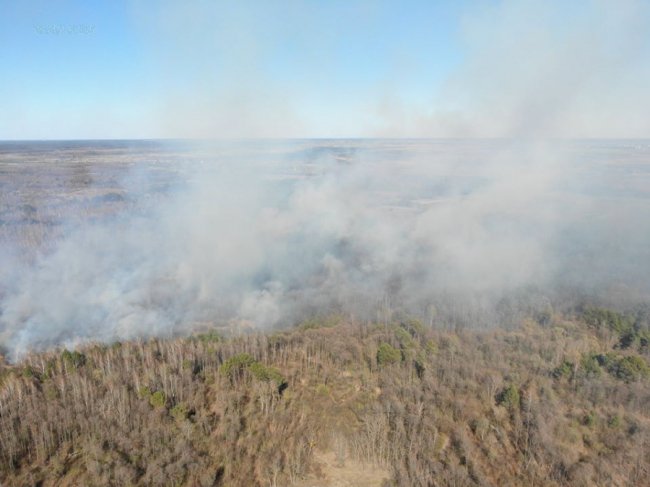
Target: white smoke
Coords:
[(392, 227)]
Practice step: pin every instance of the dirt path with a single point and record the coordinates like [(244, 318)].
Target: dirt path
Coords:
[(350, 474)]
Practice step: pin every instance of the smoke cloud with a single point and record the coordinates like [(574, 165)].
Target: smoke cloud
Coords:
[(539, 69), (454, 232)]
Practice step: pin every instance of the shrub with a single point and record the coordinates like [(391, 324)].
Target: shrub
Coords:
[(387, 354), (236, 364), (637, 339), (606, 318), (404, 338), (480, 427), (144, 392), (589, 419), (509, 397), (590, 365), (211, 336), (431, 347), (49, 369), (605, 360), (420, 364), (564, 370), (29, 372), (614, 421), (413, 326), (259, 371), (158, 399), (316, 322), (73, 359), (629, 340), (266, 374), (180, 412), (630, 368), (644, 339)]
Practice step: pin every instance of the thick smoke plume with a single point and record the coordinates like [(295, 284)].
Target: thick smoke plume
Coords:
[(456, 233)]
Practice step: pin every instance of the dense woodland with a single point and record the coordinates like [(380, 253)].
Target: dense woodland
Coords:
[(561, 400)]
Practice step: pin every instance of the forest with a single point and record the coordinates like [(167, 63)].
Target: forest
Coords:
[(325, 244), (561, 399)]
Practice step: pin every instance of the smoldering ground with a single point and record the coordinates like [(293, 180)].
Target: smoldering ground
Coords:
[(456, 233)]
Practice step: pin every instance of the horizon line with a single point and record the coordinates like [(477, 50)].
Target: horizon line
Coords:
[(271, 139)]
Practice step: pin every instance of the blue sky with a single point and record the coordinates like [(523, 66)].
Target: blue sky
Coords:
[(75, 69), (134, 69)]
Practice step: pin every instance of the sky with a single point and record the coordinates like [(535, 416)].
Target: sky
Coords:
[(199, 69)]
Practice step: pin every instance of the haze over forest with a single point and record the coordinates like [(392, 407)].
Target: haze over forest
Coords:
[(116, 240)]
